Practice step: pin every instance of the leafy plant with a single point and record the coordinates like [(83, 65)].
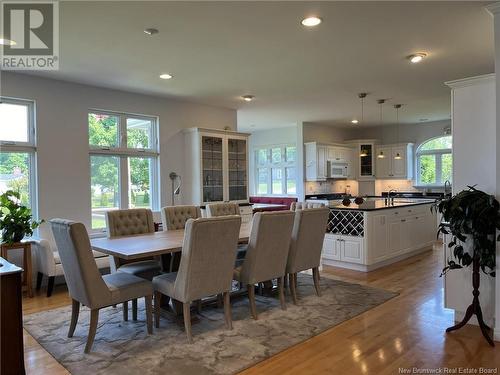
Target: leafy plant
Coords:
[(16, 220), (471, 216)]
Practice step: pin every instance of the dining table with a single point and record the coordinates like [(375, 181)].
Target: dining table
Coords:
[(140, 246)]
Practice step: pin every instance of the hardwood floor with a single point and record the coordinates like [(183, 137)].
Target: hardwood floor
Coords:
[(405, 332)]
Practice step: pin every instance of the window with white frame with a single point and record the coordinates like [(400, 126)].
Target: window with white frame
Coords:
[(276, 170), (123, 163), (18, 149), (434, 162)]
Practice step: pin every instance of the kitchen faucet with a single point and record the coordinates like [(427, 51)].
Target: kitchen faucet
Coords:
[(447, 185), (391, 200)]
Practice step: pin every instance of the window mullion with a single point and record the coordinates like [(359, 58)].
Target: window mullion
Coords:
[(124, 182)]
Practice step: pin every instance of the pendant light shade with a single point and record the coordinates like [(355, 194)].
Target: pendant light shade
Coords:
[(397, 107), (362, 96), (381, 155)]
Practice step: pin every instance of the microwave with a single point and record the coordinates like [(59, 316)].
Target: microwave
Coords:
[(338, 170)]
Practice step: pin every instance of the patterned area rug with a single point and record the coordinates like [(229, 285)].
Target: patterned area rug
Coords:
[(125, 348)]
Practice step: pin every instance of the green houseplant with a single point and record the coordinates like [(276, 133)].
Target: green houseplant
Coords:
[(471, 218), (16, 220)]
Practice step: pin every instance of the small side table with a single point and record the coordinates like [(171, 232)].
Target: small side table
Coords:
[(27, 274)]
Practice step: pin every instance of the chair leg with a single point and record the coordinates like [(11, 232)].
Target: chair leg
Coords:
[(157, 308), (316, 281), (125, 311), (281, 290), (134, 309), (293, 287), (227, 311), (39, 278), (50, 285), (251, 298), (219, 301), (198, 306), (149, 313), (186, 312), (94, 318), (75, 311)]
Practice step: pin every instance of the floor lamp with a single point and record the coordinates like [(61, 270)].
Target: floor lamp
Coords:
[(175, 191)]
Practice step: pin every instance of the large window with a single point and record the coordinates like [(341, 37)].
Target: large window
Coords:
[(275, 170), (434, 162), (18, 149), (123, 163)]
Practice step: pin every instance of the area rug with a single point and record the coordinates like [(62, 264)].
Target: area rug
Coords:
[(125, 348)]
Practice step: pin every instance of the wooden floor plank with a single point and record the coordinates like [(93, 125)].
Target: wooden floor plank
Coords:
[(407, 331)]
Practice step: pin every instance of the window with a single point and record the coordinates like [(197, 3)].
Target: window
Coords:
[(18, 149), (434, 162), (276, 170), (123, 163)]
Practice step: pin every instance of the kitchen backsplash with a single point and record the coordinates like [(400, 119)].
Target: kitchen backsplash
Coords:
[(332, 186), (399, 185)]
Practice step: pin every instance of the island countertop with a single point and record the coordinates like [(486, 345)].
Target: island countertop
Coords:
[(381, 204)]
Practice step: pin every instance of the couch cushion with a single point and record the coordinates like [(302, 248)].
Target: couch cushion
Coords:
[(96, 254)]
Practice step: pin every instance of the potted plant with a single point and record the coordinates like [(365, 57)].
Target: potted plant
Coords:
[(16, 220), (471, 217)]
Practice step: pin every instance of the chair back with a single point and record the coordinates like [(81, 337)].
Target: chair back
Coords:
[(268, 246), (305, 205), (308, 233), (175, 217), (208, 256), (129, 222), (222, 209), (82, 276)]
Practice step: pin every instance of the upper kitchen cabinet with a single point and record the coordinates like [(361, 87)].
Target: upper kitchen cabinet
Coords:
[(394, 161), (316, 161), (217, 166), (365, 159)]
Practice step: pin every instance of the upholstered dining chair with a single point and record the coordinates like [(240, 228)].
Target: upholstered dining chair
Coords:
[(206, 268), (305, 205), (308, 233), (222, 209), (86, 285), (266, 253), (127, 223)]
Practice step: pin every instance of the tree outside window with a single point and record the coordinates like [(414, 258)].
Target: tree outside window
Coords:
[(435, 162)]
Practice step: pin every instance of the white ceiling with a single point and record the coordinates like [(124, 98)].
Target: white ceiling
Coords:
[(218, 51)]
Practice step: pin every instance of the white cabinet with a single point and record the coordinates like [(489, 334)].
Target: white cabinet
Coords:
[(316, 161), (246, 214), (394, 161), (343, 248), (380, 237), (331, 247), (218, 166), (363, 159)]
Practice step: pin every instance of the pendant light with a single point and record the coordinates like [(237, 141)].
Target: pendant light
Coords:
[(397, 107), (362, 96), (381, 155)]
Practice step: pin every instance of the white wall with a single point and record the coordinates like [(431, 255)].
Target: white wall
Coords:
[(62, 137), (324, 133)]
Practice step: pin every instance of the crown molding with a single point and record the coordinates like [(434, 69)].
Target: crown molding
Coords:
[(471, 81), (493, 9)]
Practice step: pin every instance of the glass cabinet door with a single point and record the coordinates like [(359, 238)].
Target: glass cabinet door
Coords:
[(213, 177), (366, 160), (237, 166)]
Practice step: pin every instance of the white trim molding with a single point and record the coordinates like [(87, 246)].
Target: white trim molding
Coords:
[(470, 81), (493, 9)]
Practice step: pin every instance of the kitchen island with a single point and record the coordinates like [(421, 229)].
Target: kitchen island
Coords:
[(377, 232)]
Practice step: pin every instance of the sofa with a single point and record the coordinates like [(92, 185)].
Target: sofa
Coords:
[(286, 201)]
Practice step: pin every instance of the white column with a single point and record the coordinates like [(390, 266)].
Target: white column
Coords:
[(494, 10)]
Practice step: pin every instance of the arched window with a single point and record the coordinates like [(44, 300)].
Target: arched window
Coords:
[(434, 161)]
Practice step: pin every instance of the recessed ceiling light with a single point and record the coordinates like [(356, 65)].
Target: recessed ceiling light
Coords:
[(151, 31), (311, 21), (248, 98), (354, 121), (166, 76), (7, 42), (417, 57)]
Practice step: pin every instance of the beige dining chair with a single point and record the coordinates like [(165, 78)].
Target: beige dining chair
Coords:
[(308, 233), (86, 285), (222, 209), (131, 222), (305, 205), (206, 268), (266, 253)]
